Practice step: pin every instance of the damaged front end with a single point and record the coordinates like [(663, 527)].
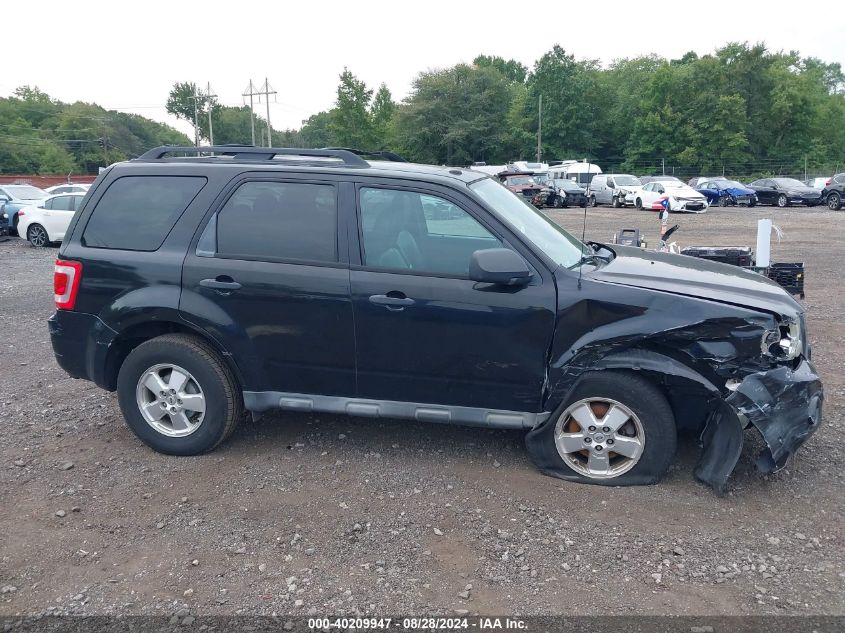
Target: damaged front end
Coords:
[(784, 404), (728, 348)]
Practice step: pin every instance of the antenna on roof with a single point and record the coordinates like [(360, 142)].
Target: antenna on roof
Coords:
[(584, 229)]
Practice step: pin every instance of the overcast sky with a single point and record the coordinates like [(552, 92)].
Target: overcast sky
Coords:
[(126, 55)]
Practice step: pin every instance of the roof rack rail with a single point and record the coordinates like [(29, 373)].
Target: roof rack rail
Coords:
[(252, 153), (381, 153)]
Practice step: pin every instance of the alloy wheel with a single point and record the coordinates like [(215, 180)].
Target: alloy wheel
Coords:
[(170, 400), (37, 235), (599, 438), (782, 201), (834, 202)]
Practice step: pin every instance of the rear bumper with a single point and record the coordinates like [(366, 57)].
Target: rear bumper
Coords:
[(81, 343)]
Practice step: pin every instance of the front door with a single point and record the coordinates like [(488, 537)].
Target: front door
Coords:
[(268, 280), (426, 333), (767, 192)]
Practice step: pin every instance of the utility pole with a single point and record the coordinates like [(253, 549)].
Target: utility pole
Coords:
[(105, 144), (805, 167), (663, 165), (209, 100), (196, 119), (267, 90), (540, 129), (250, 94)]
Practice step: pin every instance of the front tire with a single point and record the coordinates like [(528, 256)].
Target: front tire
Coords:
[(783, 201), (834, 201), (616, 429), (37, 235), (639, 203), (178, 395), (593, 202)]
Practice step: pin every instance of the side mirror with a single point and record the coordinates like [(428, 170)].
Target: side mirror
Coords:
[(3, 199), (610, 185), (499, 266)]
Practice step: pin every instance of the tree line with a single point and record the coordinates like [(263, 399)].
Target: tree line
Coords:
[(743, 110), (44, 136)]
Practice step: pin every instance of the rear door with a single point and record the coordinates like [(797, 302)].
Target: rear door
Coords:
[(425, 332), (57, 218), (268, 280)]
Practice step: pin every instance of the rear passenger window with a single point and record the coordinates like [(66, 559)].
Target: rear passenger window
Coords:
[(137, 212), (279, 221), (63, 203)]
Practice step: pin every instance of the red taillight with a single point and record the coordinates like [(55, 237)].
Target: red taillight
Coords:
[(66, 278), (20, 213), (828, 182)]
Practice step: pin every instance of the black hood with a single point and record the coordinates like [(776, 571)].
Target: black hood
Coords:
[(695, 277)]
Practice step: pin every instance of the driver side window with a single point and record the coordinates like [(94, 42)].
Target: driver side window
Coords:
[(410, 231)]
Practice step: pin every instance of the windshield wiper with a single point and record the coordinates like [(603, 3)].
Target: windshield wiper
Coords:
[(587, 259)]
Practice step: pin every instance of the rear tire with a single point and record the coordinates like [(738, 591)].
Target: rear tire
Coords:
[(209, 380), (628, 411), (37, 236)]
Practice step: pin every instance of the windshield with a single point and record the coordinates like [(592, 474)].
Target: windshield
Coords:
[(671, 184), (632, 181), (730, 184), (521, 180), (557, 244), (541, 179), (788, 182), (563, 183), (26, 192)]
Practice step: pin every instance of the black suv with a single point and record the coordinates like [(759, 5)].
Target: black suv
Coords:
[(834, 192), (199, 286)]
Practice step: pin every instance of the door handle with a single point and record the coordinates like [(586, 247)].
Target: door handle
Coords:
[(223, 284), (392, 303)]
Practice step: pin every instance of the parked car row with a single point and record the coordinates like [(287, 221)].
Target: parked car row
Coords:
[(13, 198)]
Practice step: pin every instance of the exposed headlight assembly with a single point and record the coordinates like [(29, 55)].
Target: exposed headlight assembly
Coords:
[(785, 343)]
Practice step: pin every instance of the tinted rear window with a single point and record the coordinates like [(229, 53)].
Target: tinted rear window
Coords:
[(274, 221), (137, 212)]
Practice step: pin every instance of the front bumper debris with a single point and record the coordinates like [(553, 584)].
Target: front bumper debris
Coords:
[(783, 404)]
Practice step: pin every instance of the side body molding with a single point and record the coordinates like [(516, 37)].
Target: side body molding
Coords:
[(259, 401)]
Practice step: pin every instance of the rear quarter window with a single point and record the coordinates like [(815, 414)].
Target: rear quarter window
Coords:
[(137, 212)]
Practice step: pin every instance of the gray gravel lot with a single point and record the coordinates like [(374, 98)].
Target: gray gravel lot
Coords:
[(300, 514)]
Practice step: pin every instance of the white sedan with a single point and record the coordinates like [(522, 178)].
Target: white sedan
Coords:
[(48, 221), (68, 188), (660, 194)]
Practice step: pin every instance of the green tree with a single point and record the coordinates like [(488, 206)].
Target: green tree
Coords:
[(513, 70), (455, 116), (568, 114), (381, 113), (316, 131), (351, 123)]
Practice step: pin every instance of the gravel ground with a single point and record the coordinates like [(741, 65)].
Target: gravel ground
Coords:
[(316, 514)]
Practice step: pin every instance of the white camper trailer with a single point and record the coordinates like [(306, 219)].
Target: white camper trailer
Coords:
[(582, 173)]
